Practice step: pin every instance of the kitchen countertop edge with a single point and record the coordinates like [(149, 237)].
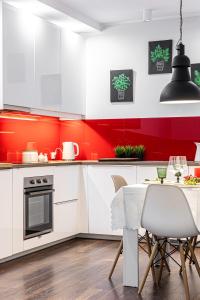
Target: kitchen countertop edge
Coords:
[(88, 162)]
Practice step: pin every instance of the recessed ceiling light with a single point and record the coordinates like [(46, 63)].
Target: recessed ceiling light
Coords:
[(147, 15)]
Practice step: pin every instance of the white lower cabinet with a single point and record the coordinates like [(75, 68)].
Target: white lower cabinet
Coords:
[(66, 183), (144, 172), (66, 218), (150, 172), (66, 201), (38, 241), (6, 213), (100, 193)]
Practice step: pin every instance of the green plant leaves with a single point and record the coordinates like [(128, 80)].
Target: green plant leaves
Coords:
[(121, 82), (130, 151), (160, 54), (197, 77)]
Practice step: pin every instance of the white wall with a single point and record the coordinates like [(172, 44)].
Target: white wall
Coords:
[(126, 47)]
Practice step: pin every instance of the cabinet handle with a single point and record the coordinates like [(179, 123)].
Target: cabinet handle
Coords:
[(66, 201)]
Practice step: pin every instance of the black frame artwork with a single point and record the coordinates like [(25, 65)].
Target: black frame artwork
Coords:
[(195, 73), (160, 57), (121, 86)]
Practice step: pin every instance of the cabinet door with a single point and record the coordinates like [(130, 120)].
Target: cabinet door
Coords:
[(66, 183), (47, 66), (100, 193), (66, 218), (72, 56), (18, 47), (6, 213), (150, 172)]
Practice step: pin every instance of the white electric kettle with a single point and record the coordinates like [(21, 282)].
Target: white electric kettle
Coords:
[(68, 150)]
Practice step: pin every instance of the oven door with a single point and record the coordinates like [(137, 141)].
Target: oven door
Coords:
[(38, 212)]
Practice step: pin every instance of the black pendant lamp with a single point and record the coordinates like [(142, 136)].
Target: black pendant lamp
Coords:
[(181, 89)]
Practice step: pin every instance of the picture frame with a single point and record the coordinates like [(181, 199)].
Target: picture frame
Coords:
[(121, 86), (160, 57), (195, 73)]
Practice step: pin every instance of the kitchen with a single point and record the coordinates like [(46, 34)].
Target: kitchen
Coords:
[(80, 102)]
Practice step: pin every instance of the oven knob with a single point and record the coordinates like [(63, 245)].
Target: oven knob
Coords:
[(45, 180), (39, 181), (32, 181)]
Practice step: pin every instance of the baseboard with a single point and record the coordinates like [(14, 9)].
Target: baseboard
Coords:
[(99, 236)]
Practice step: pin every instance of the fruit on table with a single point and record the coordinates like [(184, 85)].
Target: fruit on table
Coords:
[(191, 180)]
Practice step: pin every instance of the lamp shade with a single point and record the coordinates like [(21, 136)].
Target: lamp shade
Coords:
[(181, 89)]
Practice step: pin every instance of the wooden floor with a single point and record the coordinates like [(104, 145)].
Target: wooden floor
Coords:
[(78, 270)]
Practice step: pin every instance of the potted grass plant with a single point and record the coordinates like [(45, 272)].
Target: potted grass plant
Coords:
[(139, 151), (129, 151), (119, 151)]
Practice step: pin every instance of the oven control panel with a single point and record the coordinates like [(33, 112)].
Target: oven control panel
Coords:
[(38, 181)]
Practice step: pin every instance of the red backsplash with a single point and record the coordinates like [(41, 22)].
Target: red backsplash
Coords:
[(14, 135), (97, 138), (162, 137)]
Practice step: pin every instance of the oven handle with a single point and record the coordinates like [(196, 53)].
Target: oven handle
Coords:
[(40, 193)]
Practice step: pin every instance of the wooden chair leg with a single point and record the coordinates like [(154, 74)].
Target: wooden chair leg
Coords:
[(119, 251), (162, 250), (165, 260), (186, 251), (154, 250), (161, 263), (185, 280), (149, 253), (193, 246), (194, 258)]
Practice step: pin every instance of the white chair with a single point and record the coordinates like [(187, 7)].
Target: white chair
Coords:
[(166, 214)]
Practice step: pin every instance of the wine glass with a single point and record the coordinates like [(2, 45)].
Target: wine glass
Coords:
[(162, 173), (177, 165)]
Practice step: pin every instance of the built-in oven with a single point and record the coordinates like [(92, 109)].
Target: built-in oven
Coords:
[(38, 205)]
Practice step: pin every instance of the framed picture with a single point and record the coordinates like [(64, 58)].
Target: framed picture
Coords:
[(121, 86), (195, 73), (160, 57)]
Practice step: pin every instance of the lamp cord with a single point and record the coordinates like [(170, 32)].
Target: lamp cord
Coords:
[(181, 22)]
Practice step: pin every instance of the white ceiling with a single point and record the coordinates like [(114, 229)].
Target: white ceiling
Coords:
[(87, 15), (119, 11)]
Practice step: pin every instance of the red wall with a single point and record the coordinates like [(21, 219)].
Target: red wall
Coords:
[(97, 138), (162, 137), (14, 135)]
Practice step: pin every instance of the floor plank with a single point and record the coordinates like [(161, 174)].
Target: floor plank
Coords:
[(78, 270)]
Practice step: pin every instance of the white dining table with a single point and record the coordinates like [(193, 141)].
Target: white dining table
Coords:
[(126, 211)]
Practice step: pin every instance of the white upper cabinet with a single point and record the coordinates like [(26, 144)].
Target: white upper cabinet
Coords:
[(18, 57), (47, 66), (72, 57), (43, 66)]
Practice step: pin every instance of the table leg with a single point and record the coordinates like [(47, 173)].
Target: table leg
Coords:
[(130, 258)]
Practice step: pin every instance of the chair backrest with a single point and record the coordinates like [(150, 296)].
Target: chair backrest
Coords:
[(166, 212), (118, 181)]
